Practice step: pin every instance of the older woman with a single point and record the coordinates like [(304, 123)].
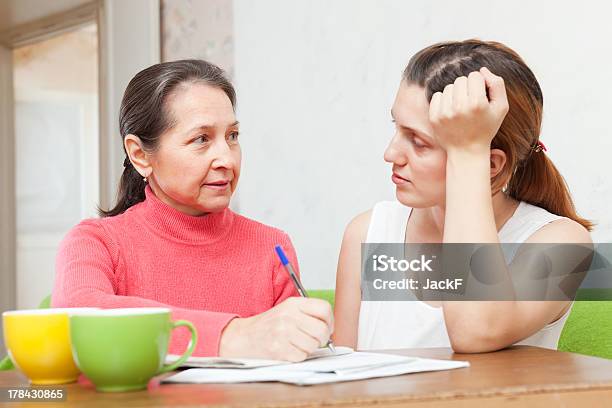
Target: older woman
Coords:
[(171, 239)]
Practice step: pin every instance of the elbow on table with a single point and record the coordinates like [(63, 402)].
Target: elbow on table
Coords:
[(479, 340)]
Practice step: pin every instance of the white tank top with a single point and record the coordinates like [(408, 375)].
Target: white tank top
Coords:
[(415, 324)]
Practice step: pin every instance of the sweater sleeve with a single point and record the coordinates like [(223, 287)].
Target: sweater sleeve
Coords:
[(283, 285), (85, 277)]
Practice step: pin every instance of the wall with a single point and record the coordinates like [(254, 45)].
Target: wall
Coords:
[(198, 29)]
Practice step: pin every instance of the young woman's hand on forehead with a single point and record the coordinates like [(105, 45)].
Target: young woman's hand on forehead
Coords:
[(463, 117)]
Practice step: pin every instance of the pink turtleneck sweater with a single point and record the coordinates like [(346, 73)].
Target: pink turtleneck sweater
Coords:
[(206, 269)]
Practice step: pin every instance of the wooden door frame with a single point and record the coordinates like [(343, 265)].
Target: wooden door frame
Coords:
[(8, 244)]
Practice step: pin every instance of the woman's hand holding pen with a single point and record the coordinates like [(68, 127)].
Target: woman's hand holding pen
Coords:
[(289, 331)]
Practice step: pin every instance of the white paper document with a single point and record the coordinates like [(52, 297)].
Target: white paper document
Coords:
[(220, 362), (332, 368)]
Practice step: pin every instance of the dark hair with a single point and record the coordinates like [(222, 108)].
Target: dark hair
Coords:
[(530, 175), (144, 113)]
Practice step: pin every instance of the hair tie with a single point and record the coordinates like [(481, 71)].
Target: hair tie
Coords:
[(538, 147)]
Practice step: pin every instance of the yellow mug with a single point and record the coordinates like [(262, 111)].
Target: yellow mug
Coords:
[(38, 343)]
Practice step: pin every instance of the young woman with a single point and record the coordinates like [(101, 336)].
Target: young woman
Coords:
[(468, 167), (171, 239)]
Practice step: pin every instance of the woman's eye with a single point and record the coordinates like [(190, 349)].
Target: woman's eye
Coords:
[(417, 143), (233, 137), (201, 139)]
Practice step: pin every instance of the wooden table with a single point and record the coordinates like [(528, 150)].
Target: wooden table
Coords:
[(515, 377)]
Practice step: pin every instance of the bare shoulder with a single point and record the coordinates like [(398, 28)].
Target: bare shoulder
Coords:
[(357, 228), (560, 231)]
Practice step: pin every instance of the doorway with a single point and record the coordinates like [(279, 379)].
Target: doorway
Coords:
[(55, 91)]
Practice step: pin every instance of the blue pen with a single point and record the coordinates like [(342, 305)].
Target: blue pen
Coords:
[(297, 283)]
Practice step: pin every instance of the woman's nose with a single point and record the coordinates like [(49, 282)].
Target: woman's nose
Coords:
[(223, 156), (394, 154)]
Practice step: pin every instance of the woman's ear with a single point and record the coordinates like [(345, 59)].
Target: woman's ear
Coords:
[(498, 161), (139, 158)]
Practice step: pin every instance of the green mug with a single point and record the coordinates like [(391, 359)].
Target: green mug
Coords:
[(122, 349)]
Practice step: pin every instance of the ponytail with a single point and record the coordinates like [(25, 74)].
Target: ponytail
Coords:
[(538, 182), (131, 190)]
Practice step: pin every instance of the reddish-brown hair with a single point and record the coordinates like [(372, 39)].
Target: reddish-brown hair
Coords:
[(530, 175)]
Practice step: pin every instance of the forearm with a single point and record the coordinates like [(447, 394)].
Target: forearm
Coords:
[(469, 216), (480, 326), (209, 324), (469, 219)]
